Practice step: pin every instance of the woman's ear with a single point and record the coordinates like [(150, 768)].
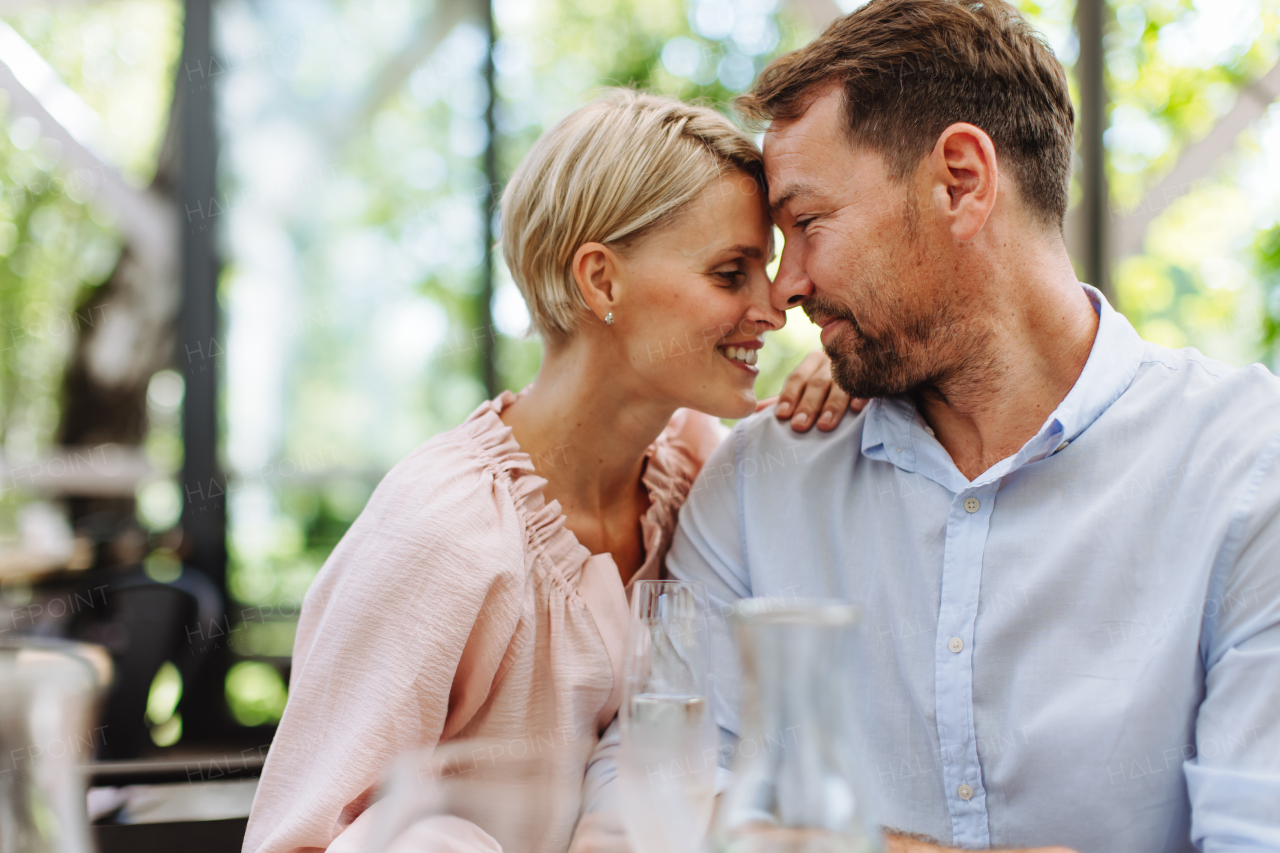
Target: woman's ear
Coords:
[(598, 271)]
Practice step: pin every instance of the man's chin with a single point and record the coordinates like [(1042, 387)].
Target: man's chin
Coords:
[(858, 379)]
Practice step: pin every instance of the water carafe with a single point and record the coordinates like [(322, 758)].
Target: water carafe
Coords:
[(799, 779)]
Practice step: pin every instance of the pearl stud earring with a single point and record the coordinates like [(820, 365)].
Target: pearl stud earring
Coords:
[(608, 319)]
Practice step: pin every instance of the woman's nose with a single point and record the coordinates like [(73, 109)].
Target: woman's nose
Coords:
[(762, 312)]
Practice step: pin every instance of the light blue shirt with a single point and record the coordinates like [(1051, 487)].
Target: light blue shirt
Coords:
[(1079, 647)]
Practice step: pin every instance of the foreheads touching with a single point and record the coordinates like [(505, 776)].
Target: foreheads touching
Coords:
[(908, 70)]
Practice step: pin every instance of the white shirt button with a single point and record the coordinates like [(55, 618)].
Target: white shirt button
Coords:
[(965, 792), (955, 644), (1062, 447), (971, 504)]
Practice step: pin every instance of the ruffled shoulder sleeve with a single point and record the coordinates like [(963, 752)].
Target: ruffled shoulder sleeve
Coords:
[(674, 462), (402, 635), (694, 435)]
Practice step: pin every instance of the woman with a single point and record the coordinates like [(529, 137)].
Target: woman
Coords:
[(482, 591)]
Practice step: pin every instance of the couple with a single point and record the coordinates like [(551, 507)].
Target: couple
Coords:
[(1065, 541), (483, 591)]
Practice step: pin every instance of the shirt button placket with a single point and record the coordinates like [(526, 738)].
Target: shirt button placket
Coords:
[(966, 535)]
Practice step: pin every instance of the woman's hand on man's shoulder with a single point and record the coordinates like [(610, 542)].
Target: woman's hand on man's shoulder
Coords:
[(810, 395)]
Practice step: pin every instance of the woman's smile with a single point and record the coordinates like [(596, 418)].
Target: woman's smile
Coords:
[(742, 354)]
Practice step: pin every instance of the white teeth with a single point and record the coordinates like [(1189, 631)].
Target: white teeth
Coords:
[(742, 354)]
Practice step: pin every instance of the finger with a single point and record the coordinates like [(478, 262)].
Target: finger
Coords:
[(857, 404), (761, 405), (602, 844), (793, 388), (816, 390), (833, 409), (600, 832)]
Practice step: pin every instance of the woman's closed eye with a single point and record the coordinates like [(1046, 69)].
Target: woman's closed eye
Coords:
[(732, 276)]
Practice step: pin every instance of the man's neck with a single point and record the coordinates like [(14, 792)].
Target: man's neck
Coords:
[(587, 432), (1041, 331)]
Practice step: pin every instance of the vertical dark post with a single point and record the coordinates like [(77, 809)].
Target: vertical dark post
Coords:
[(1091, 16), (204, 515), (199, 344), (484, 304)]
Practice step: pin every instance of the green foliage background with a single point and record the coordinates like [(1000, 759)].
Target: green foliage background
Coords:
[(354, 252)]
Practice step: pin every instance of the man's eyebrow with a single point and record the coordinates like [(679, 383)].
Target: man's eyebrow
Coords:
[(792, 192)]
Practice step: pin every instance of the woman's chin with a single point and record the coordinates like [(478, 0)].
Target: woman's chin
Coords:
[(730, 404)]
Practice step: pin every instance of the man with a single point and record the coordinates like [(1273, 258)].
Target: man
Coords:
[(1065, 541)]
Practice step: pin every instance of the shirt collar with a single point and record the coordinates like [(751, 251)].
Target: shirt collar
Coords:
[(894, 432)]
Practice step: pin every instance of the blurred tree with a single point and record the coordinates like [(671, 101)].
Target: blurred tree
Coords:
[(1175, 71), (56, 250), (107, 306)]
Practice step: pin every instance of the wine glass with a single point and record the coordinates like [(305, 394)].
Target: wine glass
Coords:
[(667, 760), (518, 796)]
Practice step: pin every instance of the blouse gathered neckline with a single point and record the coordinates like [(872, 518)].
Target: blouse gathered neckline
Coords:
[(667, 475)]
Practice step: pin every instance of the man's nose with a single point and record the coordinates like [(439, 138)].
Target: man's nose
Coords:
[(791, 285)]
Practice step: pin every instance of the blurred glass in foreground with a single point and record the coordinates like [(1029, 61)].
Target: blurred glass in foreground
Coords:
[(799, 786), (45, 698), (476, 795), (667, 763)]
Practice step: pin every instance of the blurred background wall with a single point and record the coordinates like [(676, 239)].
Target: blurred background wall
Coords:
[(243, 269)]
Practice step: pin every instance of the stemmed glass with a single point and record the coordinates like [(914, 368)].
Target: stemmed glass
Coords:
[(667, 760)]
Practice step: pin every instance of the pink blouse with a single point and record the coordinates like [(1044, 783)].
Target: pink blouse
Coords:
[(457, 606)]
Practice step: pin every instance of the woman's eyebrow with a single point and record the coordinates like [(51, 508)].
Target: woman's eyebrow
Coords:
[(753, 252)]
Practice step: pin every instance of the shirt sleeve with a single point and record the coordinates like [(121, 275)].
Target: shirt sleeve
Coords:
[(1233, 780), (697, 434), (401, 638)]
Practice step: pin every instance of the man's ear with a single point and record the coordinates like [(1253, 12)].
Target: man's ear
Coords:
[(965, 178), (597, 269)]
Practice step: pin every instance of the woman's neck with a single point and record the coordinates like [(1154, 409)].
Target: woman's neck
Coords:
[(586, 429)]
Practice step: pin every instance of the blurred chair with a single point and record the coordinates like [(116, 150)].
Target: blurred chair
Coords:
[(143, 623)]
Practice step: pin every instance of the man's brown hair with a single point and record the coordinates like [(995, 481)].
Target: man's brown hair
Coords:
[(911, 68)]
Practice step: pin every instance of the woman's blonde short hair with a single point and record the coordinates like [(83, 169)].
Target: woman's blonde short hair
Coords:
[(608, 173)]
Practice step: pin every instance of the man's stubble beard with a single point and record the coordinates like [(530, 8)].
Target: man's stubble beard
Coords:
[(921, 347), (901, 361)]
